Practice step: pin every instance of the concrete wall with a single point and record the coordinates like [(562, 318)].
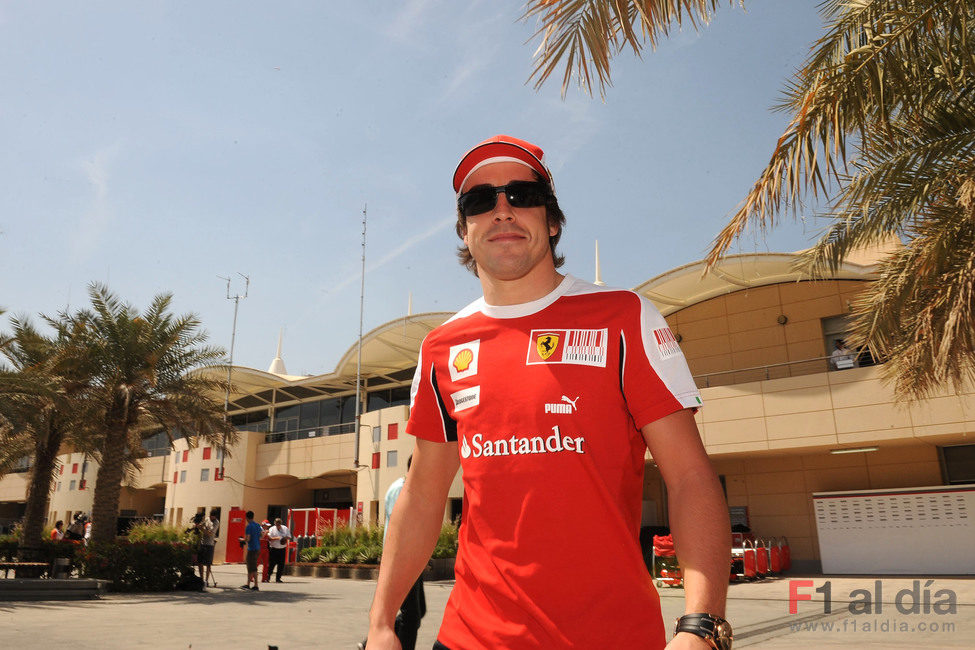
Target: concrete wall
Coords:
[(740, 329)]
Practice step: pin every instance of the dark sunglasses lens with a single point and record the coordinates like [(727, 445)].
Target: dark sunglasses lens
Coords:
[(526, 195), (478, 201)]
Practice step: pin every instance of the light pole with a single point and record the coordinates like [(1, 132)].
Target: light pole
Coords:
[(358, 364), (230, 365)]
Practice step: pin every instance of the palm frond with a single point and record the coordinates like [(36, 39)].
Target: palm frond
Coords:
[(585, 35)]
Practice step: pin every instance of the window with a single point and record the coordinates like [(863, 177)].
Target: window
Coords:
[(175, 477), (391, 458), (207, 452), (218, 474), (375, 461), (71, 485), (82, 484), (392, 431), (219, 453), (959, 464), (74, 468), (204, 474), (376, 434), (186, 455), (178, 456), (182, 476), (61, 471)]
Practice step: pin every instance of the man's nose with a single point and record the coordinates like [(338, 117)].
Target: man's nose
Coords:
[(502, 209)]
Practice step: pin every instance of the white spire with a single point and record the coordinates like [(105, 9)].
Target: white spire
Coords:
[(599, 280), (409, 305), (277, 366)]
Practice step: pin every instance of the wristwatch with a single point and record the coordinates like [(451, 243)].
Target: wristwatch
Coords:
[(713, 629)]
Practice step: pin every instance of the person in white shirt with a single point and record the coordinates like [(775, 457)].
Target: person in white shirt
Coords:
[(277, 537), (842, 357)]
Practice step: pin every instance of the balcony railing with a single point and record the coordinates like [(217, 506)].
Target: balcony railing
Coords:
[(771, 371), (314, 432)]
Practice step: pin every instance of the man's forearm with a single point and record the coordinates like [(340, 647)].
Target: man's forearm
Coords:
[(702, 539), (413, 531)]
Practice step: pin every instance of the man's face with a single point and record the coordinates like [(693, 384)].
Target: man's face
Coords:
[(507, 243)]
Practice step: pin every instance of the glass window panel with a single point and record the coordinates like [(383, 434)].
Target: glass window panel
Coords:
[(308, 417)]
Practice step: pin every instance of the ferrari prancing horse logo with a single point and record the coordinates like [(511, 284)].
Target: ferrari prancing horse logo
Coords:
[(546, 344)]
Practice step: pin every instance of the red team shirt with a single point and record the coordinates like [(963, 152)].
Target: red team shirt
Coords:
[(546, 401)]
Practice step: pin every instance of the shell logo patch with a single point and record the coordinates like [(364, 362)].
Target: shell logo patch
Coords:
[(546, 344), (577, 347), (462, 360)]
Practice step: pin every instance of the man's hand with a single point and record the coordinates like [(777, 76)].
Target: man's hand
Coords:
[(382, 639)]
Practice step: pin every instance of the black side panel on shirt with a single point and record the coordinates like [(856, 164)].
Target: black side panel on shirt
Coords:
[(622, 358), (449, 425)]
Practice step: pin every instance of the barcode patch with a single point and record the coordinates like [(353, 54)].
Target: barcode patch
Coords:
[(667, 344)]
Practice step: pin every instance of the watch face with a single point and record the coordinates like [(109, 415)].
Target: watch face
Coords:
[(722, 635)]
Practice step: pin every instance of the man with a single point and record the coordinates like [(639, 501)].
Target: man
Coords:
[(208, 540), (841, 358), (252, 542), (277, 537), (549, 391), (57, 533)]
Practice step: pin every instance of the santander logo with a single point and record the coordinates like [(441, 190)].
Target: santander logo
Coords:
[(521, 445)]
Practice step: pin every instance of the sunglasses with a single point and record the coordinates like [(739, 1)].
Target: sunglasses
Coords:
[(519, 194)]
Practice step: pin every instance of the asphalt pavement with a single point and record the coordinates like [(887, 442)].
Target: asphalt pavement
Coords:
[(307, 612)]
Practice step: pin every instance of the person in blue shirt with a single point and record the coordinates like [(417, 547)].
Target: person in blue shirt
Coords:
[(252, 542)]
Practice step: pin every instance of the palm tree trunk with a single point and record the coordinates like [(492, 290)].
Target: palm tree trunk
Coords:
[(39, 490), (108, 484)]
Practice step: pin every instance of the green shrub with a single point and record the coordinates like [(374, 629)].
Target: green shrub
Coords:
[(310, 554), (153, 531), (447, 542), (138, 566), (364, 545)]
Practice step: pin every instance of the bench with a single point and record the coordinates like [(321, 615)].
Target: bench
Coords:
[(24, 569)]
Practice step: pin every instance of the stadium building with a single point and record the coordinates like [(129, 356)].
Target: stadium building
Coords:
[(781, 424)]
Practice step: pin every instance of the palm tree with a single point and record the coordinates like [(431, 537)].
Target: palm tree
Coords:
[(143, 381), (883, 108), (40, 410)]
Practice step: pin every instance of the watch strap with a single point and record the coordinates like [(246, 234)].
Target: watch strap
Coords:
[(713, 629)]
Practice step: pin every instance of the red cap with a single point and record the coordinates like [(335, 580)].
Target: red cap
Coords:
[(501, 148)]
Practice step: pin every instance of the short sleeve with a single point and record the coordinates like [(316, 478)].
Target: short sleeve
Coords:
[(655, 378)]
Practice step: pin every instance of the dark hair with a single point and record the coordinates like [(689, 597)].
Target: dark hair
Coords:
[(250, 514), (553, 214)]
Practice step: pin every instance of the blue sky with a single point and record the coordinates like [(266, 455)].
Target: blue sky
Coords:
[(155, 146)]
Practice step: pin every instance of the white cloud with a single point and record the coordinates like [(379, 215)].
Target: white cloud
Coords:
[(96, 218), (393, 254)]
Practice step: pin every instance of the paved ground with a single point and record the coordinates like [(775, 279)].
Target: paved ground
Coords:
[(329, 613)]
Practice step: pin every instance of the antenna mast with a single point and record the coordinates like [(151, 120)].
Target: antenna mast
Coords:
[(358, 364), (230, 365)]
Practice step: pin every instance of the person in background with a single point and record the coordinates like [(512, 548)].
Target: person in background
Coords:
[(57, 533), (842, 357), (252, 542), (278, 536), (264, 557)]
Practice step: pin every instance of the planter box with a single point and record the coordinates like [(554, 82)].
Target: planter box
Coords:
[(300, 569), (366, 572), (324, 571), (440, 569)]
